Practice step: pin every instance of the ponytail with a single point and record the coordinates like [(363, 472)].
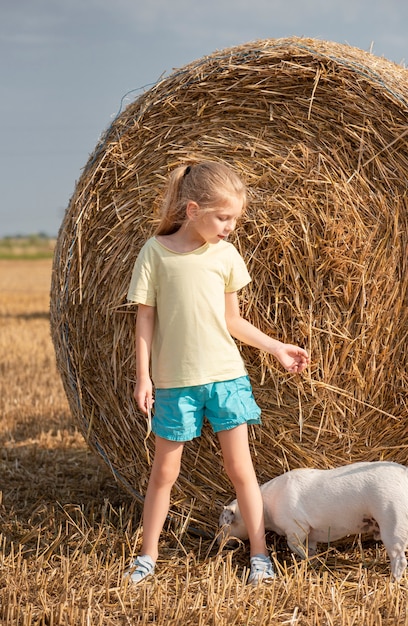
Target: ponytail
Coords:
[(172, 211)]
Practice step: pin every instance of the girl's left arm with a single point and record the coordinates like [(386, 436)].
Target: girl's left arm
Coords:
[(143, 392), (293, 358)]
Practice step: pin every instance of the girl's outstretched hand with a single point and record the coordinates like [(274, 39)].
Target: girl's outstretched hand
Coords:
[(292, 358)]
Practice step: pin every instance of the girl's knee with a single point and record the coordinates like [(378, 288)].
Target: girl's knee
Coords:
[(236, 454), (240, 474), (164, 474), (167, 462)]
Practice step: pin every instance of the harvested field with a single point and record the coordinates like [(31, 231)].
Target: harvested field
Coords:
[(67, 529)]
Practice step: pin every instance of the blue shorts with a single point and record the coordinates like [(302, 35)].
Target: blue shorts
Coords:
[(179, 412)]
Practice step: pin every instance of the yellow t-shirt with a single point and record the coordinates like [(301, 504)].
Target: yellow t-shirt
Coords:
[(191, 343)]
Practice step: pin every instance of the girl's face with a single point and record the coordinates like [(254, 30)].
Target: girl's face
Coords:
[(215, 224)]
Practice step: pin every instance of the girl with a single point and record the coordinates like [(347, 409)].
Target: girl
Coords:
[(185, 282)]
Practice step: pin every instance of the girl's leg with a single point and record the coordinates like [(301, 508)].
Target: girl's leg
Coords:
[(165, 470), (239, 467)]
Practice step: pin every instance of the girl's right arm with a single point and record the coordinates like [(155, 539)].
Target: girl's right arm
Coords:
[(144, 333)]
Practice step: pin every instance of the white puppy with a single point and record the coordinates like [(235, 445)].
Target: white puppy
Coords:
[(311, 505)]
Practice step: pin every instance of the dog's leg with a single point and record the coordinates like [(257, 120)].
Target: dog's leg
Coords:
[(395, 547), (398, 564), (311, 547), (296, 539)]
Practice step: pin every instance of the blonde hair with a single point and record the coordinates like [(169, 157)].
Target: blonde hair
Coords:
[(207, 183)]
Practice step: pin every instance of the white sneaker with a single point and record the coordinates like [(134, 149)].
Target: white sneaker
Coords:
[(261, 569), (141, 568)]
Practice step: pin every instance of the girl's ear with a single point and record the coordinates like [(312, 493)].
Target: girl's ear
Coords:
[(192, 210)]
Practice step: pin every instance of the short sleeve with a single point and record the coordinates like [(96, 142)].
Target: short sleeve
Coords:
[(142, 288), (238, 275)]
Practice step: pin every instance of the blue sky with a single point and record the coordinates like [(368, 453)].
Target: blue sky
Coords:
[(66, 64)]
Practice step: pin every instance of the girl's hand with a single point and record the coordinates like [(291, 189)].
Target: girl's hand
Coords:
[(293, 358), (144, 394)]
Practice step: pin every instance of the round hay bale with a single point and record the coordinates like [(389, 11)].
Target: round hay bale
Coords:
[(319, 133)]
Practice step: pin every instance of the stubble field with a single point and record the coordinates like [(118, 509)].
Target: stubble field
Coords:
[(67, 530)]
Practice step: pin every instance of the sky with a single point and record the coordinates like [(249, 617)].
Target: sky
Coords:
[(66, 65)]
